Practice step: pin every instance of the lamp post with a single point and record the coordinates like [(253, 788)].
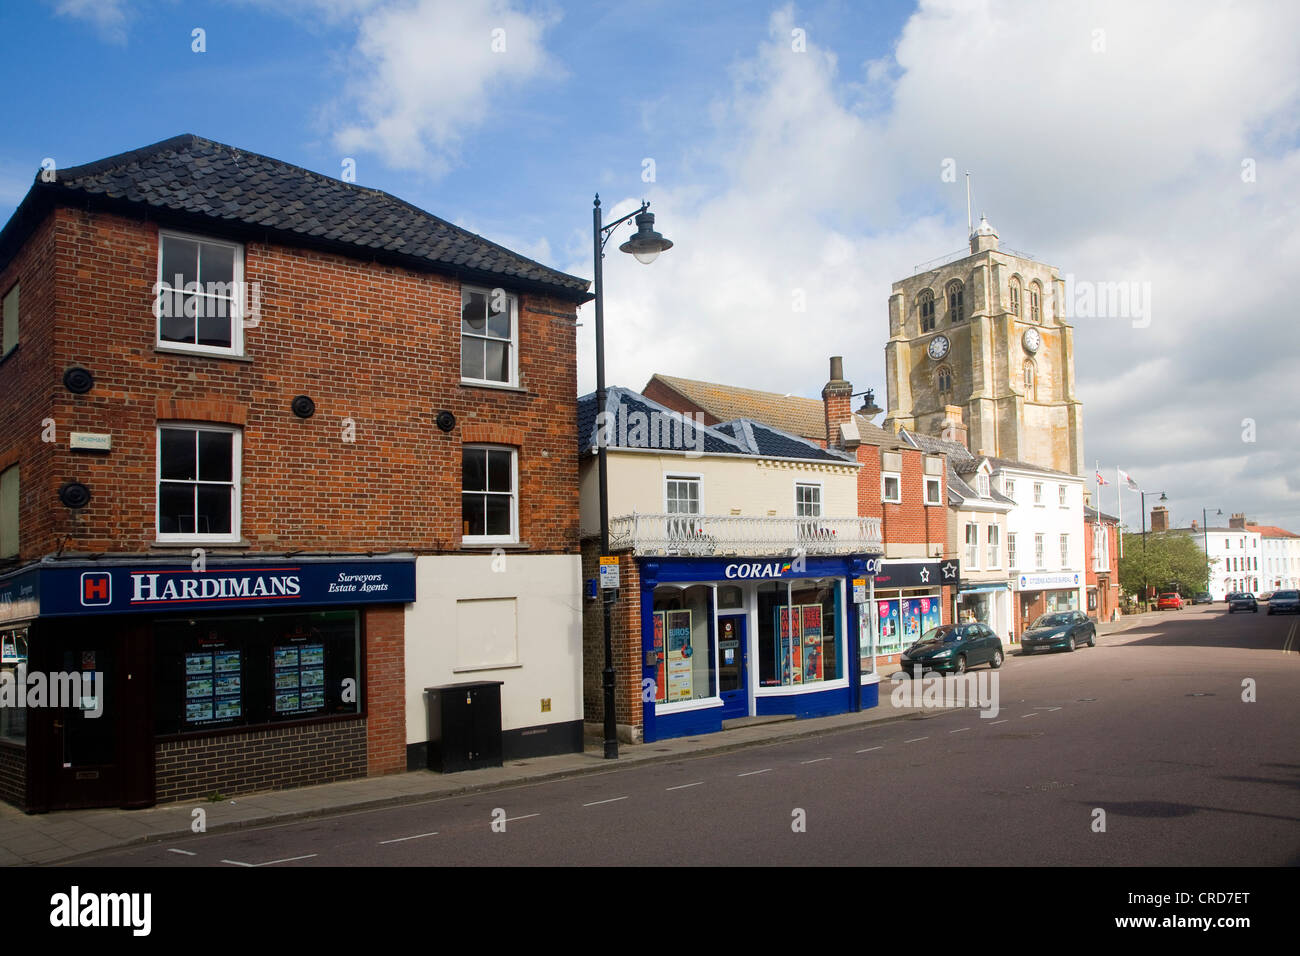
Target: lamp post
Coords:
[(1205, 536), (645, 246), (1146, 590)]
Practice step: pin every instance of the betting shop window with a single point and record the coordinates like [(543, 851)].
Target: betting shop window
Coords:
[(215, 672), (683, 643), (798, 639)]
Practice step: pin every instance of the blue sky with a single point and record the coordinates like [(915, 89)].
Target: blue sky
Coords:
[(1108, 139)]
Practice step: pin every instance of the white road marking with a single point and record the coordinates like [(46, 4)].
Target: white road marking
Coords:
[(1034, 714), (599, 802), (186, 852), (915, 739), (1002, 721), (237, 863), (958, 730), (817, 760), (288, 859), (404, 839), (750, 773), (683, 786), (868, 750), (523, 816)]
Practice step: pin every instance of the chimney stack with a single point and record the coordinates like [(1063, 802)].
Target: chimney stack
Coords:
[(953, 427), (837, 397), (1159, 518), (1237, 521)]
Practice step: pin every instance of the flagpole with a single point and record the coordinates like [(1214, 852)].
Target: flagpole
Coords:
[(1119, 507)]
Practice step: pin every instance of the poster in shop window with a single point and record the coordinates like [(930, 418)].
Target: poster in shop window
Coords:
[(889, 625), (661, 692), (919, 615), (680, 654), (789, 650), (812, 642)]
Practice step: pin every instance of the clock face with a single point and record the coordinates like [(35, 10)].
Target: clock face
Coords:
[(938, 347), (1031, 340)]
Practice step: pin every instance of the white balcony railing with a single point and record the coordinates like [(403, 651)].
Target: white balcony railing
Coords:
[(704, 535)]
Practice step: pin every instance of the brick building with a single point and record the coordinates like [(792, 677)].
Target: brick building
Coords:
[(278, 452), (1101, 561), (903, 486)]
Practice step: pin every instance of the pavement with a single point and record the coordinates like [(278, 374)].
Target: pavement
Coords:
[(66, 835)]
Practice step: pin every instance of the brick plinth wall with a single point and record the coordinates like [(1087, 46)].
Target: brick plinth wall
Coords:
[(277, 758), (625, 637), (13, 774), (385, 630)]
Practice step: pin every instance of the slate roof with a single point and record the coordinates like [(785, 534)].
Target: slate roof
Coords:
[(189, 179), (1092, 514), (961, 463), (805, 417), (731, 438)]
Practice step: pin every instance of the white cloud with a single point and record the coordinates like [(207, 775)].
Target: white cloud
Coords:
[(430, 71), (1123, 164), (108, 17)]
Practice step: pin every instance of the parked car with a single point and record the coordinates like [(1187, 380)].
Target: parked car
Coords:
[(1285, 602), (953, 647), (1266, 596), (1203, 597), (1061, 629), (1169, 601), (1242, 601)]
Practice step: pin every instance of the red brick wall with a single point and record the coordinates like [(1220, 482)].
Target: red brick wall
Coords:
[(661, 393), (385, 632), (625, 641), (366, 341)]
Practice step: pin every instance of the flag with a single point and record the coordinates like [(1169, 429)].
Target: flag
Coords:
[(1101, 480), (1126, 477)]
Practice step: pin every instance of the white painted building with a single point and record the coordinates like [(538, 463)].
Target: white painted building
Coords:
[(1235, 555), (1279, 558)]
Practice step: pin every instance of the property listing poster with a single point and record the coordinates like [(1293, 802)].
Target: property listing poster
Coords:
[(661, 690), (680, 653), (299, 675), (213, 686), (788, 647), (919, 615), (890, 629), (812, 642)]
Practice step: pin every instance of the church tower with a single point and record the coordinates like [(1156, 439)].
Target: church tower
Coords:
[(986, 333)]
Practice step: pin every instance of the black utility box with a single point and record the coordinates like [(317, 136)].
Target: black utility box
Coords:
[(464, 725)]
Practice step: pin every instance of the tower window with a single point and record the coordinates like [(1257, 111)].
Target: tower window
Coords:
[(943, 379), (927, 311), (956, 303), (1035, 312), (1030, 379), (1015, 296)]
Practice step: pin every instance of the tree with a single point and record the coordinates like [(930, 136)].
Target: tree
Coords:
[(1169, 561)]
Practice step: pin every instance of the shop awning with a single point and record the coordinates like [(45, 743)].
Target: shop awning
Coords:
[(990, 586)]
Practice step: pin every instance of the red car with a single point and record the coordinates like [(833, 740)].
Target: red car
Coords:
[(1169, 602)]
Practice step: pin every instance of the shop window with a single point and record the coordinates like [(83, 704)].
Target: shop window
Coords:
[(217, 672), (198, 299), (13, 652), (198, 483), (489, 508), (9, 512), (9, 330), (798, 642), (489, 336), (730, 597), (684, 644), (901, 621)]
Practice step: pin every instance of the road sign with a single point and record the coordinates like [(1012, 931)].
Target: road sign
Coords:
[(609, 572)]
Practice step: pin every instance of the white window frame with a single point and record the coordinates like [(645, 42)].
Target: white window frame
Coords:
[(513, 536), (236, 480), (994, 549), (10, 478), (236, 303), (1062, 496), (1038, 494), (1040, 552), (1065, 551), (812, 486), (1009, 488), (1011, 553), (983, 485), (898, 487), (697, 477), (972, 555), (513, 382), (937, 485)]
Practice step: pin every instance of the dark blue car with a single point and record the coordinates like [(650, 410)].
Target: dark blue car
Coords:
[(1059, 630)]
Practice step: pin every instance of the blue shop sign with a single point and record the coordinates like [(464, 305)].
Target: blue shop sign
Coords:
[(146, 588), (756, 569)]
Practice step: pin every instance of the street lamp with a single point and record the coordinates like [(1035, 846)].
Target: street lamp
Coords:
[(645, 245), (1205, 536), (1146, 588)]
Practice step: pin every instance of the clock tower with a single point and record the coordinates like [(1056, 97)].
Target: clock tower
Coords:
[(985, 333)]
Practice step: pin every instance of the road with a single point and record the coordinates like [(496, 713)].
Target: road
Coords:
[(1148, 732)]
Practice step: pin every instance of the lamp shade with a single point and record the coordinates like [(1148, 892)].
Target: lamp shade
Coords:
[(646, 244)]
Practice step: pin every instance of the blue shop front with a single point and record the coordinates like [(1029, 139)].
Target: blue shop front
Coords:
[(726, 638), (127, 681)]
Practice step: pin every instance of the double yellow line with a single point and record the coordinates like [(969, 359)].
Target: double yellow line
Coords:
[(1289, 646)]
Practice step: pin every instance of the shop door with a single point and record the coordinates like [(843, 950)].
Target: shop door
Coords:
[(733, 679), (84, 751)]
